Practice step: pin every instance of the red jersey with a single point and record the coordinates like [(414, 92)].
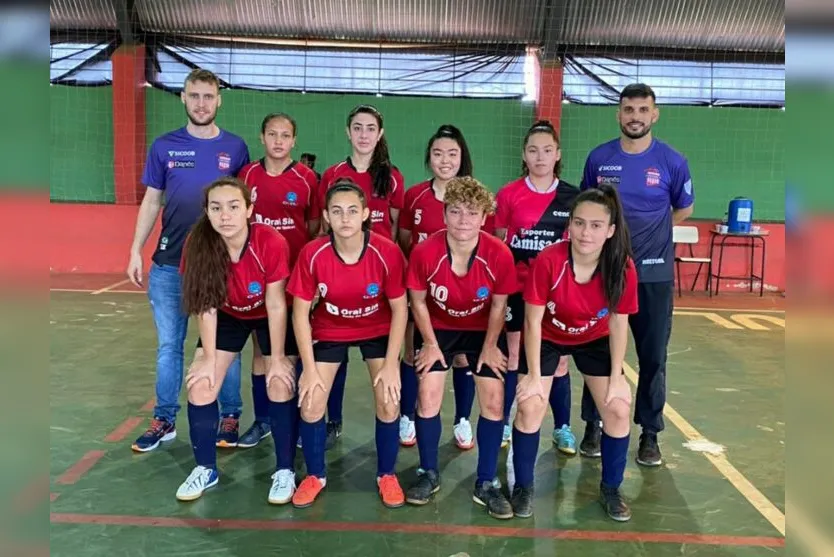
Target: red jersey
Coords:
[(533, 219), (574, 313), (380, 207), (286, 202), (422, 213), (353, 299), (264, 260), (461, 302)]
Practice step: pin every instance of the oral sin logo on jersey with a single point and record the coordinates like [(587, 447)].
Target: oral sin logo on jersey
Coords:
[(255, 288), (372, 290), (224, 161), (652, 177)]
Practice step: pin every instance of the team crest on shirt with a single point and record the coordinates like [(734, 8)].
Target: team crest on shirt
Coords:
[(482, 293), (652, 177), (291, 198), (602, 313), (224, 161), (372, 290), (255, 288)]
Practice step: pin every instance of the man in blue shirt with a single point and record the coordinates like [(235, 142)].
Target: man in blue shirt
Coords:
[(656, 190), (179, 166)]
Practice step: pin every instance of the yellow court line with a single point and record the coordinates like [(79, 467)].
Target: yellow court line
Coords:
[(107, 288), (735, 310), (730, 472)]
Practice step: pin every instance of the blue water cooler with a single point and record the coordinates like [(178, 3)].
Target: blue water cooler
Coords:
[(740, 215)]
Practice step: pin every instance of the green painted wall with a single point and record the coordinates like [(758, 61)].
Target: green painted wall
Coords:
[(732, 151)]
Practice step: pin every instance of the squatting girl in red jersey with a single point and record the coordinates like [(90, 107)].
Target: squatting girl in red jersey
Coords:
[(578, 298), (458, 281), (358, 279), (532, 213), (285, 196), (369, 166), (233, 282), (447, 156)]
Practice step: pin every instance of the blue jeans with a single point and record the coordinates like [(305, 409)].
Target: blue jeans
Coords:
[(165, 295)]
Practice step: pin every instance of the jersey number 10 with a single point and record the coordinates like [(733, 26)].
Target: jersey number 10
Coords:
[(439, 293)]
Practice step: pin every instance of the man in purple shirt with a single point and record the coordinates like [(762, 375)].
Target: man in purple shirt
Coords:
[(179, 166), (656, 190)]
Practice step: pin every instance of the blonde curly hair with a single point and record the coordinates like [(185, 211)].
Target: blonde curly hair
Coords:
[(469, 192)]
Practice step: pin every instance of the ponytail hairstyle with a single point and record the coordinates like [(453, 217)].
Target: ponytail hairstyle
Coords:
[(448, 131), (344, 185), (616, 251), (380, 167), (543, 126), (207, 257)]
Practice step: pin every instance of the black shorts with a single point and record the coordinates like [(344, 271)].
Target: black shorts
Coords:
[(468, 343), (592, 358), (336, 352), (232, 334), (515, 313)]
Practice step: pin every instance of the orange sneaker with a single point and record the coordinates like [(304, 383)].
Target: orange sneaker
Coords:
[(390, 491), (306, 493)]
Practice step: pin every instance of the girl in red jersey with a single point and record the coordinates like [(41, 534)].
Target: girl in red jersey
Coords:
[(285, 196), (358, 277), (532, 213), (577, 301), (369, 166), (458, 280), (447, 156), (233, 282)]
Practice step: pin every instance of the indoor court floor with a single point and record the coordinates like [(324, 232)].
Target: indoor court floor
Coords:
[(719, 493)]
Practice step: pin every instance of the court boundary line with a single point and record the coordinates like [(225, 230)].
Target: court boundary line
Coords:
[(109, 288), (294, 524), (744, 486)]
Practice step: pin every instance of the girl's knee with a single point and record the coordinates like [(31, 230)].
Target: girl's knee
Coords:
[(529, 414), (277, 391), (201, 394), (429, 399), (491, 399)]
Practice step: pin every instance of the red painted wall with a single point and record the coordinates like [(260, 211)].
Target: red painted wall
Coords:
[(97, 238), (94, 238)]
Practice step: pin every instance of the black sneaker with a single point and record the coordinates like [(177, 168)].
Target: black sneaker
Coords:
[(427, 484), (590, 445), (649, 452), (490, 496), (522, 501), (256, 432), (228, 431), (614, 504), (334, 431)]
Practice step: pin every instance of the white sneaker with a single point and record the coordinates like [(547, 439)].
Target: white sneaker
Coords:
[(510, 470), (507, 437), (463, 435), (283, 487), (408, 433), (199, 480)]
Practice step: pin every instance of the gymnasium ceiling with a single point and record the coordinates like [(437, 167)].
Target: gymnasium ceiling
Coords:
[(711, 25)]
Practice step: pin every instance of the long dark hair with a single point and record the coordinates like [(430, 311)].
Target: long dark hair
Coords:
[(207, 257), (617, 249), (380, 167), (542, 126), (343, 185), (449, 131)]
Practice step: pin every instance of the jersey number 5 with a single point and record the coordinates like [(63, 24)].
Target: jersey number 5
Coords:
[(418, 216)]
